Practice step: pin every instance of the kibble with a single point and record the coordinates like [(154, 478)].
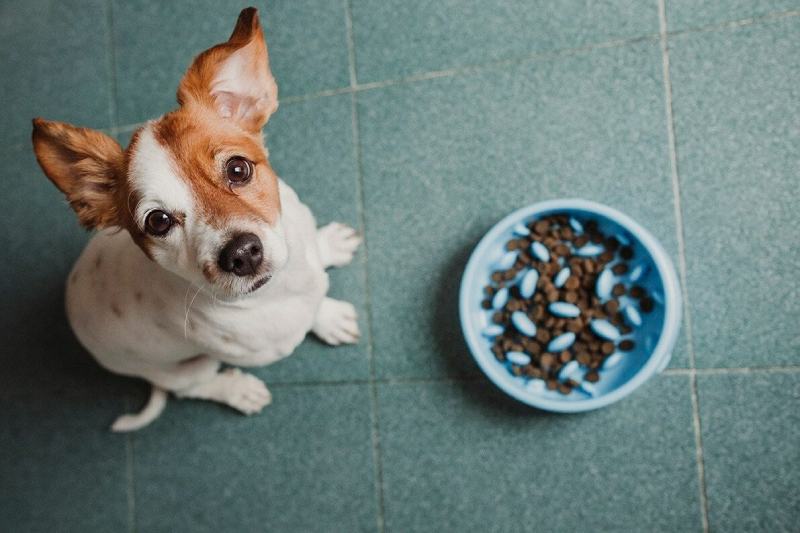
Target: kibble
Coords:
[(563, 301)]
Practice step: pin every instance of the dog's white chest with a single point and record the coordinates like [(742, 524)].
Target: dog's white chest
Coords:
[(124, 308)]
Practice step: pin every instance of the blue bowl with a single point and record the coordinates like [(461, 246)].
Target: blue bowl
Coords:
[(654, 339)]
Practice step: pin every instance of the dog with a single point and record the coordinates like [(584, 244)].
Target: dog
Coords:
[(203, 256)]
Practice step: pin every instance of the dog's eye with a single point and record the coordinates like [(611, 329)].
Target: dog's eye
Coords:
[(157, 223), (238, 170)]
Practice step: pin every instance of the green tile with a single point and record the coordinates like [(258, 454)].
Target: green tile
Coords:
[(156, 42), (304, 464), (751, 427), (62, 470), (684, 14), (53, 64), (445, 159), (459, 457), (736, 114), (399, 38)]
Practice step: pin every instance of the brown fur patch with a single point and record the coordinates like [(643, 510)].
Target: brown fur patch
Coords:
[(201, 143), (84, 164)]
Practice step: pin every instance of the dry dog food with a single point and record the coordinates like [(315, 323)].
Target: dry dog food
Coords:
[(563, 302)]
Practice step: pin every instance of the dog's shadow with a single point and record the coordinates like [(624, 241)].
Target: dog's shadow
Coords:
[(42, 355)]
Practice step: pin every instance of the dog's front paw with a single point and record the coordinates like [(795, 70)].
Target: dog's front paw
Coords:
[(337, 244), (245, 392), (336, 322)]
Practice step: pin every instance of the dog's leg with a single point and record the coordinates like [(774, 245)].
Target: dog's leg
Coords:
[(337, 244), (163, 378), (336, 322), (244, 392)]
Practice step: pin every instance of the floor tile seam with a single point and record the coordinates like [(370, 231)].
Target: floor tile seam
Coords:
[(375, 438), (533, 56), (676, 194), (734, 24)]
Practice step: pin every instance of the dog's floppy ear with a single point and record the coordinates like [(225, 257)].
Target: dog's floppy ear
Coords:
[(234, 78), (84, 164)]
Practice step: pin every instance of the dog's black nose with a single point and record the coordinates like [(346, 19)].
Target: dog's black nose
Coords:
[(242, 255)]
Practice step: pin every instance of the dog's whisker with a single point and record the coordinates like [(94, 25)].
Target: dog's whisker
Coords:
[(188, 310)]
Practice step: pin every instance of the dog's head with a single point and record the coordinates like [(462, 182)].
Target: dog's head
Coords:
[(194, 188)]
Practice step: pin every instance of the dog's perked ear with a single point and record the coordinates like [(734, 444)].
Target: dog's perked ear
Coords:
[(85, 165), (233, 78)]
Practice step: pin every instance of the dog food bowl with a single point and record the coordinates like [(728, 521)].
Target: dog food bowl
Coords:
[(654, 338)]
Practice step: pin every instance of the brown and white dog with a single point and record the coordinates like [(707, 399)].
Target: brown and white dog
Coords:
[(204, 256)]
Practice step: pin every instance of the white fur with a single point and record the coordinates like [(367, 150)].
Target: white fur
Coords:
[(162, 324)]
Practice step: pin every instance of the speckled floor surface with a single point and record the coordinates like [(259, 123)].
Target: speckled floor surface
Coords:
[(422, 123)]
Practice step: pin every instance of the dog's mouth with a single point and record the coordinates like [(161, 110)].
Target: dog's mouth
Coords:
[(260, 283)]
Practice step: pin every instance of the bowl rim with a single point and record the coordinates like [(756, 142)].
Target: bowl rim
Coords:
[(661, 353)]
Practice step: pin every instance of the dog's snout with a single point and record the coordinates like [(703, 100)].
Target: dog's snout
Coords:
[(242, 255)]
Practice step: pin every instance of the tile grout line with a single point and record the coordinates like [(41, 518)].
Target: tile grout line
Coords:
[(377, 461), (676, 193), (551, 54), (669, 372), (456, 71), (739, 23), (732, 371)]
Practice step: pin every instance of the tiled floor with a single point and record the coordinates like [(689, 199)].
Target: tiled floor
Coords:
[(422, 123)]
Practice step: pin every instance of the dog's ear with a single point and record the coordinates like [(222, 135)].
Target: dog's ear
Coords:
[(84, 164), (234, 78)]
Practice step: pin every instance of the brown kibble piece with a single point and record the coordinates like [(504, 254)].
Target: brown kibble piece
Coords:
[(627, 345), (647, 304), (637, 291), (552, 384), (611, 307), (626, 252), (565, 357), (547, 360), (592, 377), (584, 358), (612, 244), (497, 318), (607, 348), (563, 388), (486, 304), (620, 269), (618, 290), (574, 326), (541, 227), (581, 240), (497, 277), (572, 283), (606, 257)]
